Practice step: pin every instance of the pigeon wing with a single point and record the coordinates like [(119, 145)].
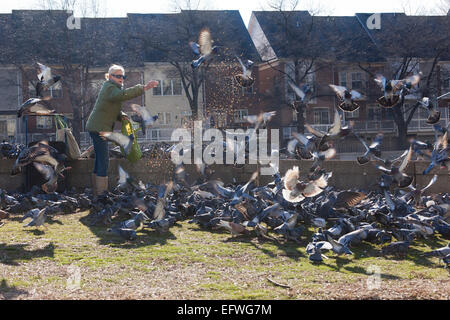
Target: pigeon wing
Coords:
[(205, 42)]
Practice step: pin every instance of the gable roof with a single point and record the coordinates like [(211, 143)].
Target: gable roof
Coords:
[(165, 37), (347, 38), (30, 35)]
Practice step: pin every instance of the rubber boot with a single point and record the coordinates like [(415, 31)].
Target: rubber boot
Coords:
[(101, 184), (94, 184)]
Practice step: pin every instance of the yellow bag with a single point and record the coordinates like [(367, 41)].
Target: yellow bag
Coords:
[(135, 154)]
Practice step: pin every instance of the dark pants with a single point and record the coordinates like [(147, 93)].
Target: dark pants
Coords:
[(101, 155)]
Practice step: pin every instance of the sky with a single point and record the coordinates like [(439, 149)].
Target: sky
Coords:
[(119, 8)]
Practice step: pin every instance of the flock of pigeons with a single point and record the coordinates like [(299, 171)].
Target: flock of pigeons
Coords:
[(285, 207)]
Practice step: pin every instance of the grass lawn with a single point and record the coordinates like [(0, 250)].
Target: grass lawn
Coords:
[(191, 263)]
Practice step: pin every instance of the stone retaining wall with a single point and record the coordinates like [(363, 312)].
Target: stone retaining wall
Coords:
[(346, 174)]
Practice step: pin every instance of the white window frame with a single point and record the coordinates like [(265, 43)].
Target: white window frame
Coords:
[(48, 122), (161, 87), (162, 118), (316, 110), (240, 115)]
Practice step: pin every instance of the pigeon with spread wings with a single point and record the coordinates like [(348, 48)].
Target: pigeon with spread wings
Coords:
[(296, 190), (397, 172), (143, 116), (125, 142), (34, 106), (46, 79), (346, 98), (261, 119), (245, 77), (391, 88), (204, 48)]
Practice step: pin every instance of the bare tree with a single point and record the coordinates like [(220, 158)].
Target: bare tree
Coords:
[(299, 47), (404, 52), (70, 45)]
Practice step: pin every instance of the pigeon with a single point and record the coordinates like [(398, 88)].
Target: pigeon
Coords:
[(163, 192), (397, 172), (34, 106), (126, 181), (127, 234), (346, 98), (347, 199), (336, 130), (234, 228), (308, 142), (50, 175), (390, 89), (295, 190), (439, 253), (416, 194), (313, 249), (373, 149), (204, 48), (143, 116), (38, 218), (125, 142), (162, 225), (46, 79), (245, 79), (40, 152), (440, 154), (396, 248), (337, 247), (304, 93), (262, 118), (433, 115)]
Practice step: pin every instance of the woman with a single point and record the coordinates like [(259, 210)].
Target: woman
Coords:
[(106, 111)]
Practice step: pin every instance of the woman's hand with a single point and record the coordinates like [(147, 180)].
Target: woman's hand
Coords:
[(151, 84)]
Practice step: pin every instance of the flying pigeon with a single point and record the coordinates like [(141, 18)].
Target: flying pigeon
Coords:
[(46, 79), (262, 118), (390, 89), (346, 98), (433, 115), (397, 172), (143, 116), (34, 106), (125, 142), (245, 78), (204, 47)]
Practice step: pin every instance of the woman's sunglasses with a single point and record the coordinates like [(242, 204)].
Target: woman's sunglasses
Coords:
[(119, 76)]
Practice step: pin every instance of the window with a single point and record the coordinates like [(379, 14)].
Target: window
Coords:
[(374, 113), (240, 115), (287, 132), (168, 87), (343, 79), (350, 115), (44, 122), (155, 134), (321, 116), (157, 89), (7, 126), (164, 118), (357, 80), (185, 117)]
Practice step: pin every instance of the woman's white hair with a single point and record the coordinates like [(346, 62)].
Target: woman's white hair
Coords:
[(112, 69)]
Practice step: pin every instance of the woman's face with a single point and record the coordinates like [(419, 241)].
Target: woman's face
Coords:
[(117, 77)]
